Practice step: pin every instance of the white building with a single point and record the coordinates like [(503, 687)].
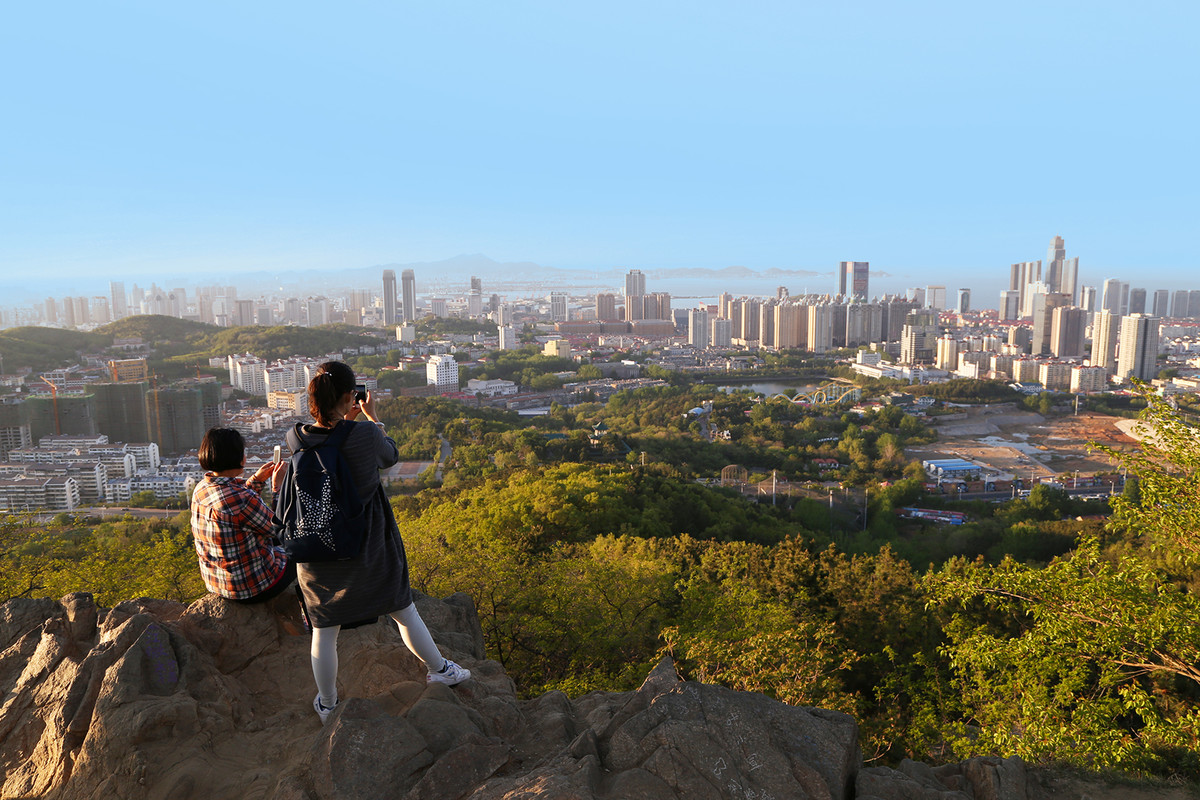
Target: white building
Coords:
[(722, 333), (1088, 379), (442, 371), (491, 388), (508, 338), (39, 493), (1137, 356)]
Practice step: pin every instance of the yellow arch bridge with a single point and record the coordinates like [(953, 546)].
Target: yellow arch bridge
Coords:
[(826, 395)]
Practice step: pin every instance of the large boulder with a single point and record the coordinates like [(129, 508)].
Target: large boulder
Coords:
[(152, 699)]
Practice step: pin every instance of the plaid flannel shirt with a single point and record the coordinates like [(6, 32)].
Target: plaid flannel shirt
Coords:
[(231, 528)]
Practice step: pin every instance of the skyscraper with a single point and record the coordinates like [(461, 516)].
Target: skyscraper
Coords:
[(1138, 354), (698, 329), (853, 278), (408, 295), (116, 291), (1067, 325), (1062, 273), (1179, 303), (1023, 275), (1044, 304), (1087, 298), (1162, 300), (935, 297), (1111, 301), (1137, 301), (635, 287), (964, 301), (558, 306), (1010, 305), (389, 297)]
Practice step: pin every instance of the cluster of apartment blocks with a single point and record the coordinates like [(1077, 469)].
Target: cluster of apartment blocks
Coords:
[(215, 305), (65, 472)]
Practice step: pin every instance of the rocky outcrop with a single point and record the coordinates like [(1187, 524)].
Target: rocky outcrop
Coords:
[(152, 699)]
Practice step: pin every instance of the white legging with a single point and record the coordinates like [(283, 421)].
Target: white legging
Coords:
[(325, 659)]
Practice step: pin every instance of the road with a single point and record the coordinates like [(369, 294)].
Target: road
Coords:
[(443, 458), (105, 512)]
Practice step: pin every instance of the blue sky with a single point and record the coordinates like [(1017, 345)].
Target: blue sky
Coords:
[(939, 141)]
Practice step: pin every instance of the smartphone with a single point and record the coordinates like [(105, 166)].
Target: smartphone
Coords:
[(278, 454), (360, 393)]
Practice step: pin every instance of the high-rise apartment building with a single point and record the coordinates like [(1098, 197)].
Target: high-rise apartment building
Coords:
[(408, 296), (1113, 292), (1022, 276), (1162, 301), (722, 333), (864, 324), (724, 302), (1043, 305), (853, 278), (791, 326), (508, 338), (964, 301), (442, 371), (1087, 298), (918, 340), (947, 353), (1062, 273), (1137, 301), (635, 288), (935, 297), (318, 311), (1067, 327), (558, 306), (606, 307), (1137, 356), (1106, 327), (699, 333), (749, 318), (119, 305), (389, 297), (820, 328), (1010, 305), (1085, 380)]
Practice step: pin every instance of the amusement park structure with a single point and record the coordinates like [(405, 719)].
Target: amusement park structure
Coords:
[(824, 395)]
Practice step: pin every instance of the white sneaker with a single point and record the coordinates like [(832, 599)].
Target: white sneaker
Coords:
[(451, 674), (321, 710)]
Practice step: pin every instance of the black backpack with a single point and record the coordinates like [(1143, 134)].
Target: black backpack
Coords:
[(318, 515)]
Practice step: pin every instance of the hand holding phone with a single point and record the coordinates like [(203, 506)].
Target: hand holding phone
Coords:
[(360, 393), (278, 456)]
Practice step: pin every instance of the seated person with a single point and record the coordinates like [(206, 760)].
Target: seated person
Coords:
[(231, 525)]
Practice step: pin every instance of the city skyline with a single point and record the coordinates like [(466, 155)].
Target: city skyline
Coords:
[(150, 140)]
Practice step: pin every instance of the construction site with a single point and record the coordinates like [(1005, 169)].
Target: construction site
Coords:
[(1027, 446)]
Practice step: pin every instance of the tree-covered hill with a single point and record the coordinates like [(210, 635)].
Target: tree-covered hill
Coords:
[(177, 346), (42, 349)]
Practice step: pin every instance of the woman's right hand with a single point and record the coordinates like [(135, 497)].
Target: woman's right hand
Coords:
[(368, 407)]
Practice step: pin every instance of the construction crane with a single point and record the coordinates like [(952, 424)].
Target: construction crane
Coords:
[(54, 396)]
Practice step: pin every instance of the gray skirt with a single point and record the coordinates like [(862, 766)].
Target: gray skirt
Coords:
[(374, 582)]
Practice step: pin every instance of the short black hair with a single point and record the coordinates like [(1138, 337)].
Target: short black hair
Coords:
[(222, 449)]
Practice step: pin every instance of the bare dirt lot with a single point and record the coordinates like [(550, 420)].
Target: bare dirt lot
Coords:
[(1028, 445)]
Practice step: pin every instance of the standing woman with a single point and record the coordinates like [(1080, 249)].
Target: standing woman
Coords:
[(375, 581)]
